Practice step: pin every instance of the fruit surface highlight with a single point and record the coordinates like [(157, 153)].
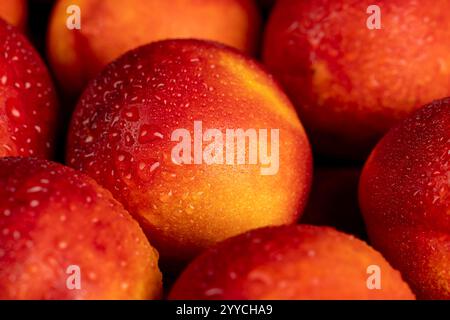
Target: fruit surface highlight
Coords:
[(28, 104), (351, 83), (333, 200), (14, 12), (289, 262)]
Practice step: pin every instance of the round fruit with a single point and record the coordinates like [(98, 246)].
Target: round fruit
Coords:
[(14, 12), (28, 106), (290, 262), (62, 236), (127, 130), (110, 28)]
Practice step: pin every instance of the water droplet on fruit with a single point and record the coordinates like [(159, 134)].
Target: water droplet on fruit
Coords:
[(131, 114), (15, 113), (165, 197), (260, 277), (129, 140), (34, 203), (149, 134), (189, 209), (213, 292), (146, 169), (62, 245), (168, 176)]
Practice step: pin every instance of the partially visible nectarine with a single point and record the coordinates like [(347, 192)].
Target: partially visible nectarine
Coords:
[(28, 104), (351, 83), (128, 126), (14, 12), (405, 199), (62, 236), (293, 262), (110, 28)]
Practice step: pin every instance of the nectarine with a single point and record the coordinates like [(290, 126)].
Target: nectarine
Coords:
[(14, 12), (350, 81), (266, 5), (62, 236), (28, 104), (110, 28), (290, 262), (405, 199), (196, 140)]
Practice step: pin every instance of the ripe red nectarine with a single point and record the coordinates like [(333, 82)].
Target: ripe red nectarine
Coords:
[(55, 224), (405, 199), (290, 262), (245, 161), (351, 83), (28, 105)]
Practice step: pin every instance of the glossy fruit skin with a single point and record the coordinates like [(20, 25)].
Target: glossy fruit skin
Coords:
[(28, 103), (110, 28), (121, 135), (404, 196), (52, 217), (14, 12), (289, 262), (351, 84)]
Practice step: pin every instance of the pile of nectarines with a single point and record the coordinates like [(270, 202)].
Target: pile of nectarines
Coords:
[(405, 198), (186, 169)]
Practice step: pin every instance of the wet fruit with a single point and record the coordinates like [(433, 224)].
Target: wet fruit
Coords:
[(28, 106), (351, 83), (127, 130), (405, 199), (62, 236)]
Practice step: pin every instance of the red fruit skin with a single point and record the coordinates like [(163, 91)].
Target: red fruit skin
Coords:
[(351, 84), (289, 262), (121, 130), (52, 217), (28, 104), (110, 28), (404, 196)]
